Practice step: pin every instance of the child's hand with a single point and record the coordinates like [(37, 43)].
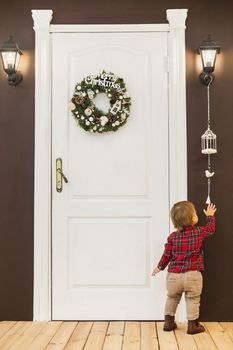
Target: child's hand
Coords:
[(155, 271), (210, 211)]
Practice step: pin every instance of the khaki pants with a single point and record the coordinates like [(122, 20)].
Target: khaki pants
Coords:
[(190, 283)]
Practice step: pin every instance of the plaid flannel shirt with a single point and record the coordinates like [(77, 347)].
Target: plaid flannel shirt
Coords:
[(183, 250)]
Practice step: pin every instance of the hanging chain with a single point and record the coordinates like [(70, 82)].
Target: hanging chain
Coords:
[(208, 121), (209, 180), (208, 126), (208, 104), (209, 163)]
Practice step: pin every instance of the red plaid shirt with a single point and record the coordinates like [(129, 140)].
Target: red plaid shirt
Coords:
[(183, 250)]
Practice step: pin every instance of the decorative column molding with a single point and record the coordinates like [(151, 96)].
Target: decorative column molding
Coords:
[(42, 167), (42, 19), (177, 105), (177, 18), (177, 114)]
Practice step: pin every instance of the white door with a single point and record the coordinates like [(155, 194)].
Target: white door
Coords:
[(110, 221)]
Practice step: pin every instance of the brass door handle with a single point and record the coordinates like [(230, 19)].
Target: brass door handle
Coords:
[(59, 175), (63, 176)]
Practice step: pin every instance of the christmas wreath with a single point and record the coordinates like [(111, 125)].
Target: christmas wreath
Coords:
[(93, 119)]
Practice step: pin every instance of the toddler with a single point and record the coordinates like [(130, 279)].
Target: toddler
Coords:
[(184, 253)]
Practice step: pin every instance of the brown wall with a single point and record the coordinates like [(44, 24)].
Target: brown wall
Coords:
[(17, 140)]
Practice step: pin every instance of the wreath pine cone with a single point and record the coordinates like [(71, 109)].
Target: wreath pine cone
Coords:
[(79, 100)]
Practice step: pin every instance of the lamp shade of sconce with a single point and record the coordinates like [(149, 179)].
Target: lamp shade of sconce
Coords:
[(11, 54), (208, 51)]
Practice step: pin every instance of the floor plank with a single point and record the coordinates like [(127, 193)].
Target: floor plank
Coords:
[(185, 341), (79, 336), (25, 338), (167, 340), (114, 336), (13, 333), (220, 337), (228, 326), (44, 336), (97, 336), (131, 340), (62, 336), (149, 339), (204, 341), (5, 326)]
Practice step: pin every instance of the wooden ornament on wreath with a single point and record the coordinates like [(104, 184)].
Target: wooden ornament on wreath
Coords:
[(93, 119)]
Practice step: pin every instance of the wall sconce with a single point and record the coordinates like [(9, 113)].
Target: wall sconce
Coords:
[(11, 53), (208, 51)]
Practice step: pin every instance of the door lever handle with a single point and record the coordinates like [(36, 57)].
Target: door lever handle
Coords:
[(63, 176), (59, 175)]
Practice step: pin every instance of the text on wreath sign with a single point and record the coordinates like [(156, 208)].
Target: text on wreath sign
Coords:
[(105, 79)]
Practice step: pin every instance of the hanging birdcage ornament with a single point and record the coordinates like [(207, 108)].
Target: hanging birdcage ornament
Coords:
[(209, 142)]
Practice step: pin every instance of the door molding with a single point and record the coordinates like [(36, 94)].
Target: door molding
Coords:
[(42, 169)]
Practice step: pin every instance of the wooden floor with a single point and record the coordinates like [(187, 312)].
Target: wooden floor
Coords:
[(111, 336)]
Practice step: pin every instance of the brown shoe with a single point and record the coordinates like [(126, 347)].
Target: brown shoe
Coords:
[(195, 327), (169, 324)]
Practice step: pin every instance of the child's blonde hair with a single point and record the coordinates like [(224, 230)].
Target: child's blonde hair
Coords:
[(182, 214)]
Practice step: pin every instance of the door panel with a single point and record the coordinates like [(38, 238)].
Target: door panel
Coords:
[(85, 236), (110, 220)]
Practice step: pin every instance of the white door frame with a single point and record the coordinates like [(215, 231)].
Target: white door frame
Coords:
[(42, 170)]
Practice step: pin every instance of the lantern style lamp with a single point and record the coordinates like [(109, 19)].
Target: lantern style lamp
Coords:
[(208, 51), (11, 53)]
